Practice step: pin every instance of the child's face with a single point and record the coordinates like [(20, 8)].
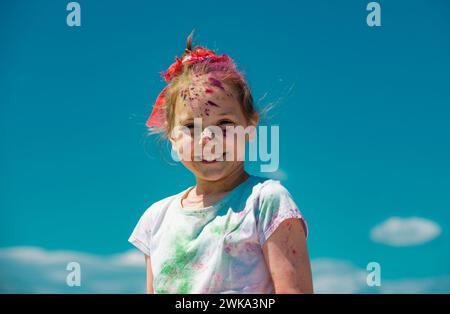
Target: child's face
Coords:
[(213, 103)]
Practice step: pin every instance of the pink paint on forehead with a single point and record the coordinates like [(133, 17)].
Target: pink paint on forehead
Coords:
[(212, 103), (216, 83)]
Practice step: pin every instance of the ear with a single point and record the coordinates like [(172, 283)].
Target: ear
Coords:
[(255, 119), (169, 133), (254, 122), (171, 139)]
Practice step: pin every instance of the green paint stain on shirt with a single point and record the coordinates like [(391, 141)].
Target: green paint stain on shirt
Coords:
[(160, 290), (178, 269), (217, 229), (270, 204), (185, 287)]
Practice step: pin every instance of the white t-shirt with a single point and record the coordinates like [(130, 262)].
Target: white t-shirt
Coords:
[(216, 249)]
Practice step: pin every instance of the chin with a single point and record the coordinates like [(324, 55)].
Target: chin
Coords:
[(212, 172)]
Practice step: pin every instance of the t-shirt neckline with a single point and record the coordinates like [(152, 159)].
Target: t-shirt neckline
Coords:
[(216, 205)]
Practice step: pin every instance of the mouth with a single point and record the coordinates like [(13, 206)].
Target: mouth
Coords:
[(204, 161)]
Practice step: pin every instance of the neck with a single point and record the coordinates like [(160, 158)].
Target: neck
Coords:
[(223, 185)]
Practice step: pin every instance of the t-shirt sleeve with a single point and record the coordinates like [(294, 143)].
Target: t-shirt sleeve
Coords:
[(276, 205), (141, 235)]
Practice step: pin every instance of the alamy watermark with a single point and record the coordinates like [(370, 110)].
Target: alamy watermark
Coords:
[(73, 278), (74, 17), (216, 144), (374, 276)]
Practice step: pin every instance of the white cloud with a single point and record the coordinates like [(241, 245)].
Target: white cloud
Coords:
[(419, 285), (35, 270), (397, 231), (340, 276), (337, 276)]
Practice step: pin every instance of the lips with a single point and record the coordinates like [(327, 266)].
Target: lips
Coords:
[(209, 162), (204, 161)]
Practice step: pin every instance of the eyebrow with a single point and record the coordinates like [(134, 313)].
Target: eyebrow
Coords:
[(225, 113), (192, 119)]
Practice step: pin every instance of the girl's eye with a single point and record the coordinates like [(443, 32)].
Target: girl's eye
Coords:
[(190, 128), (224, 124)]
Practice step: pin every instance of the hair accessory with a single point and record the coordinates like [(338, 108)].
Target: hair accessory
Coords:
[(199, 54)]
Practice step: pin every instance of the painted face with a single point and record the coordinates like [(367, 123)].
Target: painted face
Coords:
[(203, 111)]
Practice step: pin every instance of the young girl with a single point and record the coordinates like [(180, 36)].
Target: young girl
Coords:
[(232, 232)]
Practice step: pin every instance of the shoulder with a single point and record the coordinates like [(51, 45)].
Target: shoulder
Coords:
[(274, 205), (273, 198), (273, 187), (159, 207), (268, 189)]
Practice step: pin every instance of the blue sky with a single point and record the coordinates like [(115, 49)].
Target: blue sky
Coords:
[(363, 115)]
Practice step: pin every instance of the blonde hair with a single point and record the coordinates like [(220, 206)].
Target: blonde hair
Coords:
[(225, 71)]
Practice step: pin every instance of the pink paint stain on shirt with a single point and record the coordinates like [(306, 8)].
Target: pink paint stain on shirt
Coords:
[(217, 278), (228, 249), (198, 266)]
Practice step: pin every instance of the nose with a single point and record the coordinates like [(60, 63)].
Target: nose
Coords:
[(206, 136)]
